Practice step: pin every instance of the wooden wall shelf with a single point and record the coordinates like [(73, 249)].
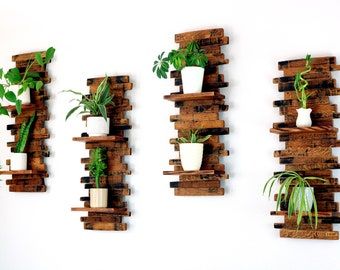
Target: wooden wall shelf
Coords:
[(31, 180), (116, 144), (201, 111), (309, 150)]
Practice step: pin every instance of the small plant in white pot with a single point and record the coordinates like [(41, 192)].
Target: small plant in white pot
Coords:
[(300, 84), (95, 104), (98, 195), (15, 86), (18, 157), (297, 192), (191, 151), (191, 61)]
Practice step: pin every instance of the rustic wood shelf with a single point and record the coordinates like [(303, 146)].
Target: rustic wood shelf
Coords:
[(195, 96), (201, 172), (36, 148), (315, 129), (17, 172), (201, 111), (116, 211), (308, 151), (100, 139), (117, 146)]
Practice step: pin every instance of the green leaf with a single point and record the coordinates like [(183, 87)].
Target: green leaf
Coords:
[(18, 106), (102, 110), (3, 111), (1, 72), (39, 59), (49, 54), (2, 91), (22, 89), (71, 112), (13, 76), (10, 96), (38, 85)]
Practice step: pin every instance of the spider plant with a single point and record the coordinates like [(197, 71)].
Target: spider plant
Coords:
[(193, 137), (301, 84), (292, 188), (95, 103)]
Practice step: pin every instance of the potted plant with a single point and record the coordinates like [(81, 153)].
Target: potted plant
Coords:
[(190, 61), (300, 84), (18, 157), (300, 195), (191, 151), (95, 104), (16, 88), (98, 196)]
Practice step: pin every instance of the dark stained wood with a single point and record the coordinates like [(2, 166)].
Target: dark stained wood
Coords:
[(309, 150), (117, 146), (199, 191), (201, 172), (201, 111), (100, 139), (195, 96)]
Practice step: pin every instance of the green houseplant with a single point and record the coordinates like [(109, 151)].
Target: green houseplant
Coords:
[(98, 196), (15, 88), (191, 150), (191, 61), (300, 86), (296, 192), (18, 157), (95, 104)]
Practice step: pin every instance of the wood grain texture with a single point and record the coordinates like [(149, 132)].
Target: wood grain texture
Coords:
[(35, 148), (201, 111), (309, 150), (117, 146)]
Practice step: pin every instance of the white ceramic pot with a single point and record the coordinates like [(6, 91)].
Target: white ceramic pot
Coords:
[(191, 156), (97, 126), (303, 119), (98, 197), (309, 191), (192, 79), (18, 161), (25, 97)]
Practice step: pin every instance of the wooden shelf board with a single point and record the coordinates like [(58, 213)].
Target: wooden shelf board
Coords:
[(100, 139), (117, 211), (320, 214), (194, 96), (309, 234), (201, 172), (27, 107), (313, 129), (17, 172)]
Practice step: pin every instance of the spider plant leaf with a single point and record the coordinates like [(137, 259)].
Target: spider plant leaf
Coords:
[(71, 112)]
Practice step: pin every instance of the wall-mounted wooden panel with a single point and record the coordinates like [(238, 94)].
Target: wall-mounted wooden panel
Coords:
[(201, 111), (309, 150), (32, 179), (117, 146)]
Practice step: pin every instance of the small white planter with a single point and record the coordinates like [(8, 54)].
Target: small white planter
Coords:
[(18, 161), (98, 197), (25, 97), (303, 119), (97, 126), (309, 191), (192, 79), (191, 156)]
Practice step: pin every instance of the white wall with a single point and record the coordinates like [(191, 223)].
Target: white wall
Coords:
[(38, 231)]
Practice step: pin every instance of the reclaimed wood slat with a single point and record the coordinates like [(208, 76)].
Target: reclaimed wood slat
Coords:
[(199, 191)]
